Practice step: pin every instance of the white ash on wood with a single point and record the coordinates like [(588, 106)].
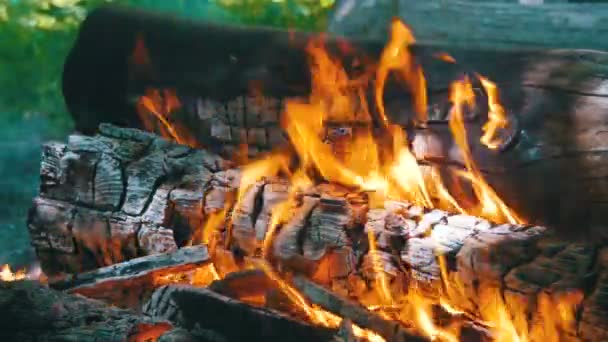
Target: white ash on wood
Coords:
[(129, 284), (326, 239), (152, 185)]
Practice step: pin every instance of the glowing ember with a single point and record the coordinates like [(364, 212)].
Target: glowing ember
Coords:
[(160, 105), (497, 119), (6, 274)]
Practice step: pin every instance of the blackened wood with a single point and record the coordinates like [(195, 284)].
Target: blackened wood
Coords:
[(31, 312), (188, 306), (390, 330), (130, 283)]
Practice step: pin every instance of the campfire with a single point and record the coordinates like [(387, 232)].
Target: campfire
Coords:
[(346, 228)]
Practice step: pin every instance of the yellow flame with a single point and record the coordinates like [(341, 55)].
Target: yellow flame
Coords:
[(497, 119), (382, 285), (396, 57), (253, 172), (315, 314), (490, 204), (6, 274)]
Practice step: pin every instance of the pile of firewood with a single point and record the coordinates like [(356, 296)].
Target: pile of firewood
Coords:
[(124, 194), (167, 233)]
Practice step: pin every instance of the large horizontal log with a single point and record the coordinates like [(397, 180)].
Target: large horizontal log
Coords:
[(31, 312), (553, 174), (390, 330), (505, 24), (326, 238)]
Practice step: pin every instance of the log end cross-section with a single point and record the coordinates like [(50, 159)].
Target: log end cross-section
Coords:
[(112, 197)]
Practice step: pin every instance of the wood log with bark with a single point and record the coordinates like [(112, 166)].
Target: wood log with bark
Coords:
[(326, 235), (494, 24), (32, 312), (552, 173)]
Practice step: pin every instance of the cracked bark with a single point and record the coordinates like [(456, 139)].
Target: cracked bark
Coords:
[(326, 238)]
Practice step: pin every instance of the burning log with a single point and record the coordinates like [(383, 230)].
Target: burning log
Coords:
[(391, 331), (550, 171), (129, 284), (189, 307), (110, 198), (33, 312), (341, 242)]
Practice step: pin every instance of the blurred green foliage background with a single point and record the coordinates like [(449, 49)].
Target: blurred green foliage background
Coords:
[(35, 37), (37, 34)]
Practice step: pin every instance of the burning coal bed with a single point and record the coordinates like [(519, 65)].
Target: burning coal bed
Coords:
[(341, 234)]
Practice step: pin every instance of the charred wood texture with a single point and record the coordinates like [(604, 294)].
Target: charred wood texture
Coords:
[(110, 198), (35, 313), (129, 284), (391, 331), (325, 238), (552, 174), (190, 307)]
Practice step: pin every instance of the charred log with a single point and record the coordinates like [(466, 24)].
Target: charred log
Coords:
[(391, 331), (32, 313), (129, 284), (326, 239), (189, 307), (552, 173), (112, 197)]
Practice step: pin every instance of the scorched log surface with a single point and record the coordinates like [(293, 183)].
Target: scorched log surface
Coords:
[(112, 197), (553, 174), (190, 307), (325, 236), (129, 284)]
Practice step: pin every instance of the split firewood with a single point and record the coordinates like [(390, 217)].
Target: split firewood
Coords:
[(390, 330), (32, 312), (110, 198), (188, 307), (129, 284)]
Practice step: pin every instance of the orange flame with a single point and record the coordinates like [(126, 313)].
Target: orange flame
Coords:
[(332, 136), (396, 57), (444, 56), (490, 204), (161, 105), (6, 274), (315, 314)]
